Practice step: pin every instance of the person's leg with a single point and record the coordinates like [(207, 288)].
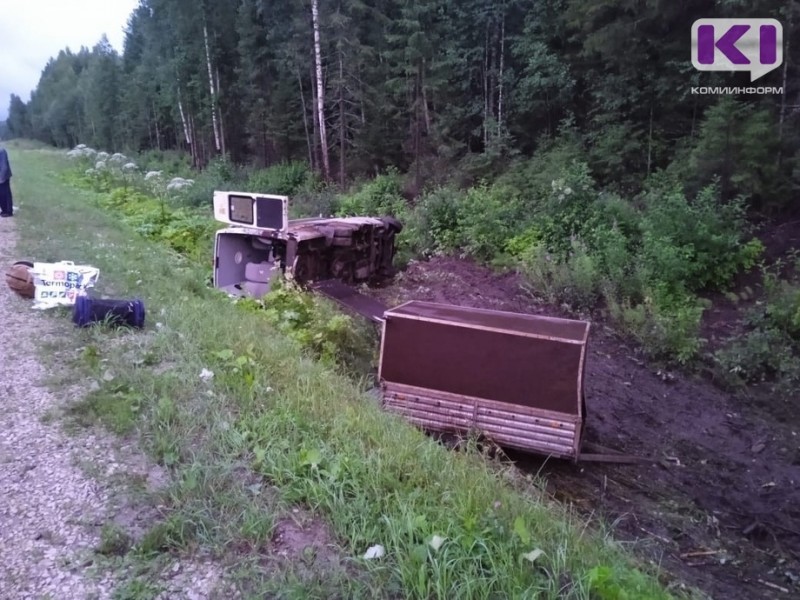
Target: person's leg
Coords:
[(6, 205)]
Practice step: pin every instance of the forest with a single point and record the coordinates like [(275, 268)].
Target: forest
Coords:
[(438, 89)]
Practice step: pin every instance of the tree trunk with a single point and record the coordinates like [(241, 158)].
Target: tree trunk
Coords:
[(323, 136), (155, 122), (486, 88), (190, 139), (316, 163), (549, 113), (417, 130), (185, 123), (650, 140), (500, 83), (214, 123), (361, 96), (221, 122), (425, 110), (341, 121), (305, 121), (491, 79)]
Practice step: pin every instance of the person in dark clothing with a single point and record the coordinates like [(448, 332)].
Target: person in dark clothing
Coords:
[(6, 202)]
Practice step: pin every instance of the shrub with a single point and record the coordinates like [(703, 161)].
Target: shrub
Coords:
[(285, 179), (568, 209), (313, 203), (487, 218), (770, 350), (534, 175), (220, 174), (333, 337), (617, 151), (184, 230), (666, 323), (782, 309), (169, 161), (434, 224), (189, 234), (764, 354), (700, 243), (381, 196), (518, 246), (617, 260), (575, 281)]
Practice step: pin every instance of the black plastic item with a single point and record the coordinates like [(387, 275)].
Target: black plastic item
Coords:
[(120, 313)]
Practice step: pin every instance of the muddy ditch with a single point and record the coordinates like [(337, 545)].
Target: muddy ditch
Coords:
[(718, 509)]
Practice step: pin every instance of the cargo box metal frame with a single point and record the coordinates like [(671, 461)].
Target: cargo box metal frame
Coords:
[(515, 378)]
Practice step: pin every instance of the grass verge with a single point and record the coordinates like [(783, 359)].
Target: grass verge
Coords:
[(274, 429)]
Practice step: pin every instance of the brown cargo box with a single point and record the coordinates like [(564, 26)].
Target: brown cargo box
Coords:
[(516, 378)]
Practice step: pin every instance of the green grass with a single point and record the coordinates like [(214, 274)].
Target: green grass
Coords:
[(244, 448), (114, 541), (137, 589)]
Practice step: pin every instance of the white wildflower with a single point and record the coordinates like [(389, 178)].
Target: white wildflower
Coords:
[(129, 167), (79, 152), (100, 165), (102, 156), (178, 183), (118, 158), (206, 375), (152, 175)]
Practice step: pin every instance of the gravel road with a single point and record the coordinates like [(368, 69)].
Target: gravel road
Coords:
[(57, 490)]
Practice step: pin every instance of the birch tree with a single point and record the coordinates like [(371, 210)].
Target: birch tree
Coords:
[(323, 136)]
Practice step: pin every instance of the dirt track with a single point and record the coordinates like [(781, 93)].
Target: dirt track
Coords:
[(720, 509)]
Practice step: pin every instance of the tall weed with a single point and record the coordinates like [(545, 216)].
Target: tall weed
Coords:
[(575, 281)]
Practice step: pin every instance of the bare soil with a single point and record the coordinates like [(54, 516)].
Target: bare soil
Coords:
[(718, 509)]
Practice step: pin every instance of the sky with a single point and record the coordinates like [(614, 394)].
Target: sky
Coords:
[(33, 31)]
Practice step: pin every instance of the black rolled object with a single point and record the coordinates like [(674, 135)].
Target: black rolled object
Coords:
[(120, 313)]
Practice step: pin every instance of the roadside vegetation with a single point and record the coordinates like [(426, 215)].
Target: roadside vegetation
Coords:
[(645, 263), (252, 427)]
